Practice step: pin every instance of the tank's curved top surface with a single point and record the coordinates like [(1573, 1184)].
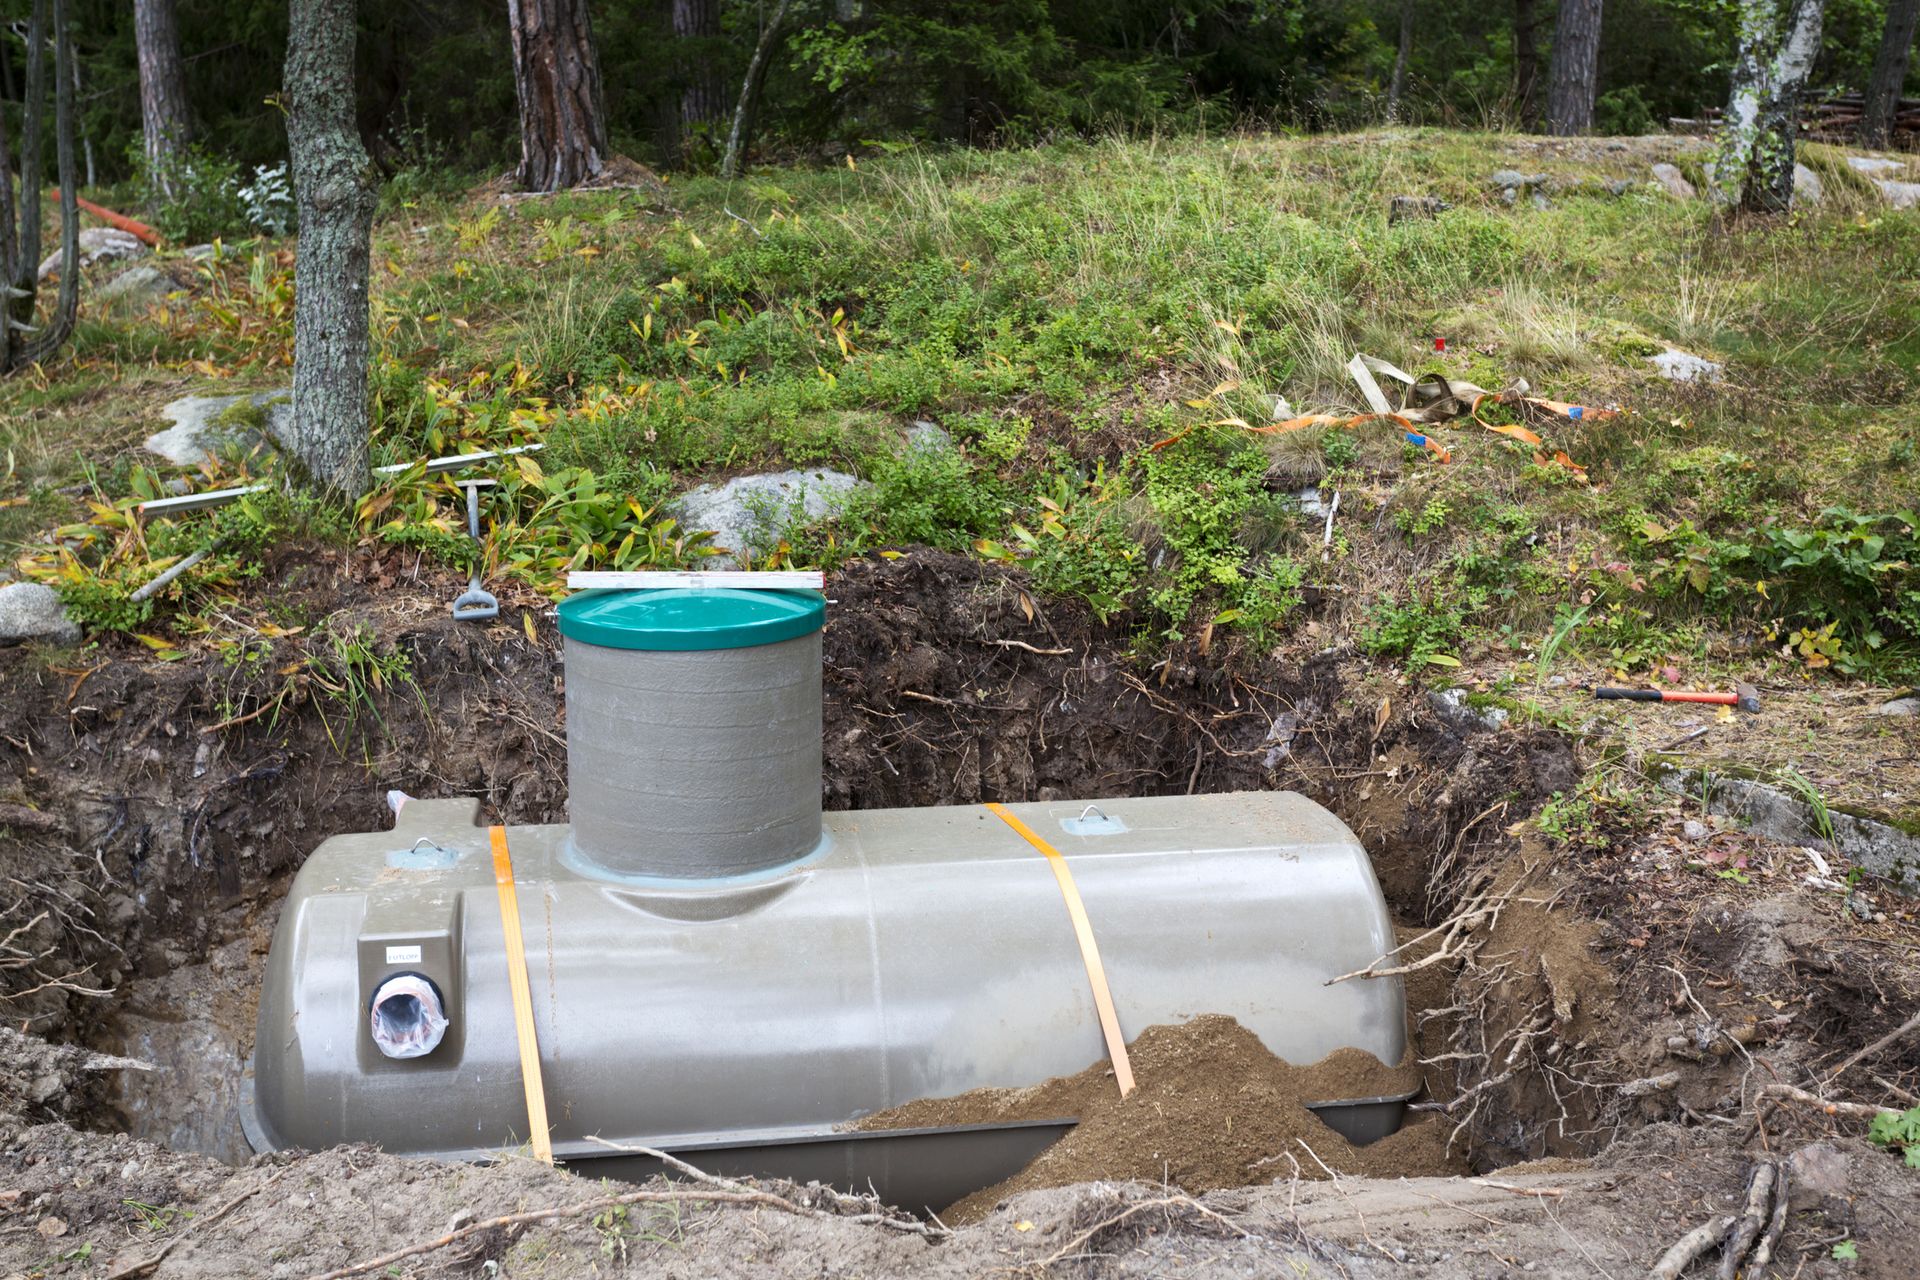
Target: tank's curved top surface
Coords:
[(682, 619), (922, 953)]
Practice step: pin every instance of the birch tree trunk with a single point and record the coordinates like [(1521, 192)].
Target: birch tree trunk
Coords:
[(333, 188), (163, 89), (1573, 75), (1889, 72), (1397, 86), (556, 75), (1779, 39), (744, 111)]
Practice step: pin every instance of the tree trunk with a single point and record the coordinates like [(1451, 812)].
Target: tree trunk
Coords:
[(556, 74), (1779, 40), (163, 89), (1526, 61), (25, 345), (333, 188), (741, 134), (1573, 76), (1889, 72), (1398, 84), (696, 25)]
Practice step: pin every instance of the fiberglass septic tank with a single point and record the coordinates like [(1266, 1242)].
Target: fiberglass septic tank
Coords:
[(705, 963)]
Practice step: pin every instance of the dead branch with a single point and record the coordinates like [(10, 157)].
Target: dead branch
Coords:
[(1853, 1110), (1875, 1047), (1688, 1248), (1022, 644), (1770, 1239), (1752, 1221), (1552, 1193)]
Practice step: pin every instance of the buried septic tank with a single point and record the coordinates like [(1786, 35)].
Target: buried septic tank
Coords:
[(714, 969)]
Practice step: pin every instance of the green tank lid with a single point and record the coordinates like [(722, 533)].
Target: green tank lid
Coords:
[(686, 618)]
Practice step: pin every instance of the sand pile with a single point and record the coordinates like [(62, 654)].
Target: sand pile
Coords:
[(1212, 1108)]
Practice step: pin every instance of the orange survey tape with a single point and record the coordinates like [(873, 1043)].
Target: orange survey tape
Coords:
[(1089, 950), (523, 1029)]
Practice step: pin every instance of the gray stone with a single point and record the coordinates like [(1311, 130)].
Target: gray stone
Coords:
[(1807, 185), (1617, 187), (1696, 831), (1415, 208), (1898, 707), (1873, 844), (1674, 181), (924, 436), (1512, 178), (1860, 904), (1540, 200), (204, 425), (1451, 705), (1681, 366), (31, 611), (1871, 165), (1901, 195), (200, 252), (140, 285), (1311, 504), (98, 244), (1816, 1174), (752, 513)]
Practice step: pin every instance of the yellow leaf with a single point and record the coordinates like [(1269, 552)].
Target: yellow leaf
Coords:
[(432, 319), (526, 621), (1223, 388), (1230, 422), (393, 268), (1233, 329), (698, 243), (458, 323), (849, 162), (153, 642), (1023, 1225), (891, 555)]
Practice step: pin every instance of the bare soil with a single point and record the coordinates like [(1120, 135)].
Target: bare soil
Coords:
[(1606, 1008)]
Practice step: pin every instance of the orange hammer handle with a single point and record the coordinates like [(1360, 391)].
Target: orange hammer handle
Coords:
[(1722, 699)]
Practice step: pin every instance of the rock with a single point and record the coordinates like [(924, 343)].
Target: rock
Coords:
[(924, 436), (1816, 1174), (1451, 705), (1695, 831), (1880, 846), (141, 285), (750, 513), (204, 425), (1311, 504), (1539, 199), (31, 611), (1513, 178), (1617, 187), (45, 1089), (1871, 165), (1415, 208), (200, 252), (1901, 195), (1807, 186), (98, 244), (1681, 366), (1674, 181), (1860, 904), (1898, 707)]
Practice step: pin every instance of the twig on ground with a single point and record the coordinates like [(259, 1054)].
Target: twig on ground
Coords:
[(1853, 1110), (1770, 1239), (1358, 1215), (1550, 1192), (1022, 644), (1874, 1048), (142, 1266), (1752, 1220)]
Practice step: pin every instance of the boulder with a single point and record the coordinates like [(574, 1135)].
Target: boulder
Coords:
[(31, 611), (751, 513), (1682, 366), (928, 437), (140, 285), (1511, 179), (1412, 208), (1875, 165), (1806, 185), (98, 244), (204, 425), (1901, 195), (1899, 707), (1674, 181)]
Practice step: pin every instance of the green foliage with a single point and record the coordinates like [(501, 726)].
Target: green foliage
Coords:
[(1419, 629), (1898, 1131), (1080, 545)]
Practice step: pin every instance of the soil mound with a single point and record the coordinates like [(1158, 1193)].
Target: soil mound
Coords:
[(1213, 1108)]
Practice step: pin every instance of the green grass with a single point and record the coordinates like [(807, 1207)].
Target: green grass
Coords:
[(1060, 309)]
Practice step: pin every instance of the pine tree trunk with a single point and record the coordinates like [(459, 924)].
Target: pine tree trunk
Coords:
[(24, 345), (556, 74), (24, 280), (333, 188), (1526, 61), (1889, 72), (163, 89), (1779, 40), (1573, 76), (1397, 86), (744, 111), (696, 25)]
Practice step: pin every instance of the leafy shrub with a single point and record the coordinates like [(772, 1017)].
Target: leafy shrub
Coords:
[(1419, 630)]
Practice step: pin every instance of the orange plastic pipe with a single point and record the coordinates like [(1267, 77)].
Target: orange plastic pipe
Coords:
[(131, 226)]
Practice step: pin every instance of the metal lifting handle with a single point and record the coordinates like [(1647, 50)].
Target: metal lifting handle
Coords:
[(475, 604)]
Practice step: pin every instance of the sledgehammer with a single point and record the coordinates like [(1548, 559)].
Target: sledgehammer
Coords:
[(1745, 696)]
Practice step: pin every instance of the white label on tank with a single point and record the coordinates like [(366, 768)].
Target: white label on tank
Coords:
[(403, 955)]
